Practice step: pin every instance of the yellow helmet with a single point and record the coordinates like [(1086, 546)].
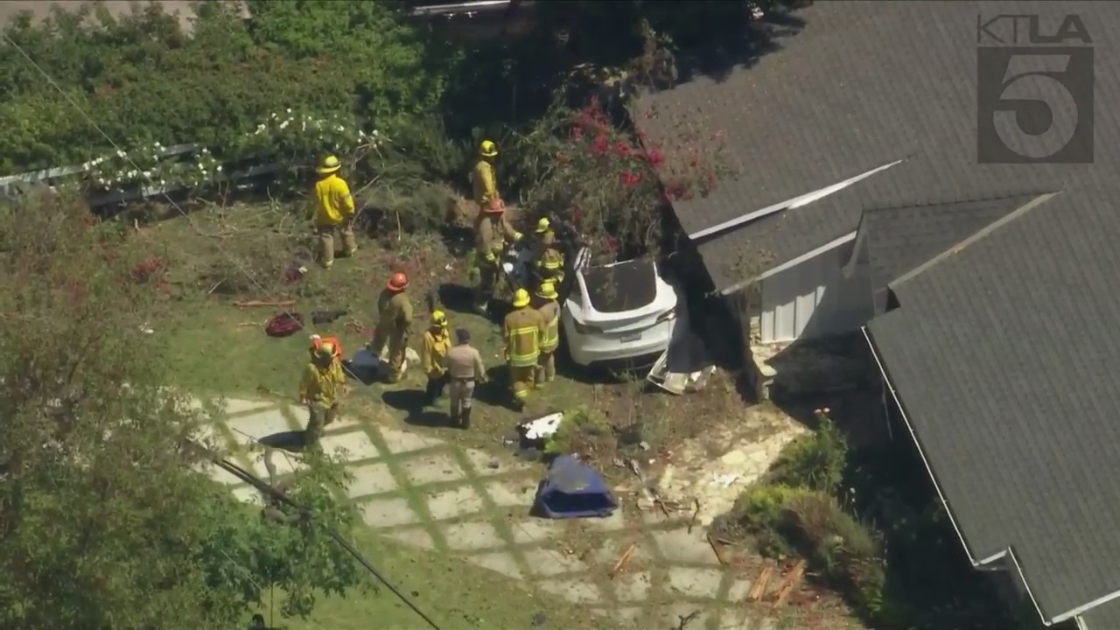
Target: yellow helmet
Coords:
[(521, 298), (329, 165), (488, 149), (543, 225), (548, 290), (439, 319)]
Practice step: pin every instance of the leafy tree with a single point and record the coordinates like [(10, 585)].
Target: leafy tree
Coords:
[(106, 520)]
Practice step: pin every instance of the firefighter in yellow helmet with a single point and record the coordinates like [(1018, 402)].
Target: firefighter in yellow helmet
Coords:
[(437, 343), (492, 229), (549, 260), (523, 330), (320, 387), (333, 212), (546, 304), (394, 319)]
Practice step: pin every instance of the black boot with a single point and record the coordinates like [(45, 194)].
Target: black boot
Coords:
[(519, 404), (465, 418)]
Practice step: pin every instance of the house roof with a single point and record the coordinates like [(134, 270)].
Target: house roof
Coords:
[(861, 85), (900, 240), (1005, 358), (1104, 617)]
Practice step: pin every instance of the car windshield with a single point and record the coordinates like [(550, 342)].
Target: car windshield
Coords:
[(621, 287)]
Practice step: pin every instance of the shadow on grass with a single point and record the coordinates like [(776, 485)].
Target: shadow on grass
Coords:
[(412, 402), (291, 441)]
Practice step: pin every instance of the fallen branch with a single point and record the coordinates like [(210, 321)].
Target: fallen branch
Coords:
[(695, 513), (758, 589), (791, 582), (622, 560), (715, 550), (259, 303)]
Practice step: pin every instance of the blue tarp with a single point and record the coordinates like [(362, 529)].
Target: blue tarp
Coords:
[(574, 490)]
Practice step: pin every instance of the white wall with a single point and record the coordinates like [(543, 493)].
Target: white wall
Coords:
[(813, 298)]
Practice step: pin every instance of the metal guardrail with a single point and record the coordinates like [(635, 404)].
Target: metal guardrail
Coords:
[(9, 185)]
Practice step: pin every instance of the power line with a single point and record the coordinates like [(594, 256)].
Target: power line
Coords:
[(233, 469)]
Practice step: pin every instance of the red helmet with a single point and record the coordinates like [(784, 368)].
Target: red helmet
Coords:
[(398, 282)]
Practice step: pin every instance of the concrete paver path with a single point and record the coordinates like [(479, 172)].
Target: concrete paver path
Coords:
[(436, 495)]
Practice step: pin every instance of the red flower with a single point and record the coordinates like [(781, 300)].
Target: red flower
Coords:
[(624, 149), (629, 179), (655, 158), (600, 145)]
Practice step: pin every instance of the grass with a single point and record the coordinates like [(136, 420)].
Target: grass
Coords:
[(454, 594)]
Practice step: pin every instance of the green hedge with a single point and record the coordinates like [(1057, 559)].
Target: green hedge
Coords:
[(142, 80)]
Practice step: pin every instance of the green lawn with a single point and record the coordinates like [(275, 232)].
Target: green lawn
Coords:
[(454, 594)]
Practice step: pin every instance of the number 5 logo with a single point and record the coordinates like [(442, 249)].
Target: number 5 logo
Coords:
[(1035, 105)]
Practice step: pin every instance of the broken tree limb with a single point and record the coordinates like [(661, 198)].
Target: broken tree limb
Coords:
[(695, 513), (758, 589), (259, 303), (618, 566), (791, 582), (715, 550)]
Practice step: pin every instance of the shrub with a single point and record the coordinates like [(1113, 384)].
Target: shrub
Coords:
[(142, 80), (579, 167), (817, 461), (575, 429)]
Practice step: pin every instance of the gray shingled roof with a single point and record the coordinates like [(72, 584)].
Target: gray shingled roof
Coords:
[(1104, 617), (860, 86), (900, 240), (1006, 357)]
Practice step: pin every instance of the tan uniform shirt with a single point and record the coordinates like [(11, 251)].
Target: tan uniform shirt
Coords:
[(464, 361), (491, 236), (394, 310)]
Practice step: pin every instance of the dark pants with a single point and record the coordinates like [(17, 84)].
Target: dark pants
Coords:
[(318, 417), (435, 387)]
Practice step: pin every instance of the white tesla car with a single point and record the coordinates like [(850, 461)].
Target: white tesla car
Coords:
[(619, 312)]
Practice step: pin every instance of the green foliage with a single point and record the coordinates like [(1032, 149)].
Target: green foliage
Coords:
[(580, 167), (577, 425), (106, 519), (142, 80), (816, 461)]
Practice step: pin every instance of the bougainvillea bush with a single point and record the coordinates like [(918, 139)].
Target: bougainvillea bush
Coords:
[(613, 185)]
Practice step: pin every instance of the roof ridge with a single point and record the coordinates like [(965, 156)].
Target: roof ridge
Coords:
[(955, 201), (977, 236)]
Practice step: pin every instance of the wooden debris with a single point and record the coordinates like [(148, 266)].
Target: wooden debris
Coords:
[(695, 513), (618, 566), (259, 303), (790, 583), (715, 550), (758, 589)]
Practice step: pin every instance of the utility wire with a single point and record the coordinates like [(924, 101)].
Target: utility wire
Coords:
[(190, 220), (230, 467)]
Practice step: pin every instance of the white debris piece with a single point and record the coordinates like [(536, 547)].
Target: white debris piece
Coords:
[(543, 427)]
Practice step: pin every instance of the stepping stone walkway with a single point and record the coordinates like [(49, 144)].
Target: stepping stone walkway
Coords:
[(432, 494)]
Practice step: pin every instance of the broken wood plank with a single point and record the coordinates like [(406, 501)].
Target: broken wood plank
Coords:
[(715, 550), (622, 560), (259, 303), (758, 589), (791, 582), (695, 513)]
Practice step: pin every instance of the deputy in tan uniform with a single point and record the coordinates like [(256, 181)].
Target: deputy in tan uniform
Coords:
[(523, 329), (394, 319), (465, 370), (549, 308)]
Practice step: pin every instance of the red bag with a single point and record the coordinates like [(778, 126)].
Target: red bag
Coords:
[(284, 325)]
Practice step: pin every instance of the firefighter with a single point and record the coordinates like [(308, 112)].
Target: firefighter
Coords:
[(466, 371), (394, 319), (492, 229), (549, 308), (433, 355), (548, 258), (333, 211), (319, 389), (523, 329), (317, 342)]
